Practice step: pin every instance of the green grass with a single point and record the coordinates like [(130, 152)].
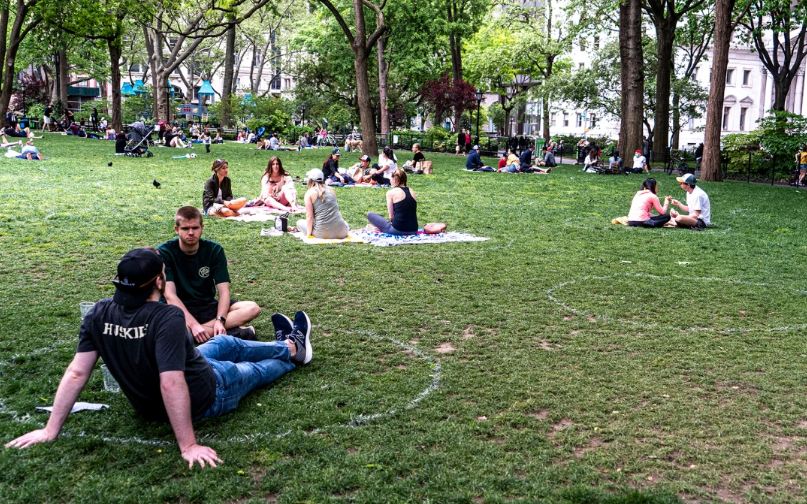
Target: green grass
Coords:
[(585, 363)]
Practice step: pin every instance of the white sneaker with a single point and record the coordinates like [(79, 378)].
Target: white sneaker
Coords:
[(271, 232)]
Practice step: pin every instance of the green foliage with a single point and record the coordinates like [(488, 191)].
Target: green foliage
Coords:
[(134, 107), (279, 122), (36, 111), (782, 132)]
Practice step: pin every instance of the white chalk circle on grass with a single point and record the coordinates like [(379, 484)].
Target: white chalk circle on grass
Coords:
[(555, 296), (355, 420)]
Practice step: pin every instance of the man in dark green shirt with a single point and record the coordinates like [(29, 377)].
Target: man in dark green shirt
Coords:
[(196, 270)]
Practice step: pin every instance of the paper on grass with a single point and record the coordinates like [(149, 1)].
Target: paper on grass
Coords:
[(79, 406)]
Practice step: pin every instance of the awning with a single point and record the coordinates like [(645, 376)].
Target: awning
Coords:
[(139, 87), (126, 89), (170, 86), (206, 89)]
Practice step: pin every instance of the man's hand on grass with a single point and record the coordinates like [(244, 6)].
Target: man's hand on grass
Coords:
[(199, 333), (30, 439), (197, 453)]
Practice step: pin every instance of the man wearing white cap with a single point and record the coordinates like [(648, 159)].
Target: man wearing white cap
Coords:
[(474, 161), (698, 207)]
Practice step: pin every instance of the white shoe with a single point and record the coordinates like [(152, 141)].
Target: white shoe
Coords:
[(271, 232)]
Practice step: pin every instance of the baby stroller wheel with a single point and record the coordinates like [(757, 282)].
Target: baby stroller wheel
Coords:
[(150, 154)]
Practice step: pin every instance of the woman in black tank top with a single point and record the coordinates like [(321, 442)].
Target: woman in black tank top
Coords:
[(402, 207)]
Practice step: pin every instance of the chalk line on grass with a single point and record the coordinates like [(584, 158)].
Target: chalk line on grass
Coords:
[(551, 294), (355, 420)]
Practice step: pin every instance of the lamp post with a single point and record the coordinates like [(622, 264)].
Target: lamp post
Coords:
[(168, 89), (478, 103), (303, 109)]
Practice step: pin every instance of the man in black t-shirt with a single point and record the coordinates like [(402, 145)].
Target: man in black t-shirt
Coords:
[(146, 348), (196, 270)]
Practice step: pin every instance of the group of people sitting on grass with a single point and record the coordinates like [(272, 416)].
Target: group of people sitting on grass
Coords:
[(697, 206), (510, 163), (148, 345), (323, 218)]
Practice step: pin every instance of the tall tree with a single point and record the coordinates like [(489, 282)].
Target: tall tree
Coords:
[(665, 15), (782, 26), (26, 17), (725, 24), (463, 19), (693, 38), (362, 46), (631, 75)]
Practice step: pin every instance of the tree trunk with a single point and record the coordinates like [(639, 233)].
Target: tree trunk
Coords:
[(665, 33), (781, 88), (115, 81), (361, 52), (632, 78), (676, 111), (383, 72), (227, 85), (455, 46), (710, 166), (549, 63), (64, 78)]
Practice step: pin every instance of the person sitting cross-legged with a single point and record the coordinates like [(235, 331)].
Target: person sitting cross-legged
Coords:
[(323, 218), (147, 350), (643, 202), (698, 206), (402, 207), (474, 161), (217, 197), (196, 270)]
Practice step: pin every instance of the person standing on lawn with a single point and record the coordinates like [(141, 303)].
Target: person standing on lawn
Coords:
[(195, 271), (146, 348)]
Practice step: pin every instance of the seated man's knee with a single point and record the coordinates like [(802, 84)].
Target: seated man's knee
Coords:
[(251, 309)]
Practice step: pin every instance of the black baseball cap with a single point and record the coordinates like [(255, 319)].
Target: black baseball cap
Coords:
[(134, 282)]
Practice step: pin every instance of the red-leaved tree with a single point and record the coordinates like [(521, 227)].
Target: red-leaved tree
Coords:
[(36, 91), (447, 97)]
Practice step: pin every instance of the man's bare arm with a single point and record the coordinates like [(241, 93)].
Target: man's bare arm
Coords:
[(71, 385), (177, 402)]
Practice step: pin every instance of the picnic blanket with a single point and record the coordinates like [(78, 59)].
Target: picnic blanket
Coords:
[(339, 184), (387, 240), (310, 240), (260, 214)]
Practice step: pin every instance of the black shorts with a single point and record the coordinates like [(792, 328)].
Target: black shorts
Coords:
[(206, 313)]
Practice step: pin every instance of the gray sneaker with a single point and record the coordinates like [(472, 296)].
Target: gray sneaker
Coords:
[(301, 336), (282, 326)]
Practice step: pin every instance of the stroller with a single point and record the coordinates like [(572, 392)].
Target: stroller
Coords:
[(138, 144), (258, 135)]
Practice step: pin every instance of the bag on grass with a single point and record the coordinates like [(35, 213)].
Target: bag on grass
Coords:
[(434, 228), (425, 167)]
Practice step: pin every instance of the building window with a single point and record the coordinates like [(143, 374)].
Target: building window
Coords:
[(582, 44), (691, 123), (552, 119), (593, 121), (726, 111), (581, 66), (580, 120), (275, 84), (746, 77), (694, 76), (729, 76), (596, 41), (565, 119), (743, 112)]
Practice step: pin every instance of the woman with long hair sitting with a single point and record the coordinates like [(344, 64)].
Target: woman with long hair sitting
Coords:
[(217, 199), (643, 202), (277, 188), (402, 207), (387, 165), (323, 218)]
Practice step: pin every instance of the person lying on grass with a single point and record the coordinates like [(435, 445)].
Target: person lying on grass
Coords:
[(147, 350), (277, 188), (402, 207), (196, 270), (644, 202), (6, 143), (698, 206), (31, 152), (217, 198), (323, 218)]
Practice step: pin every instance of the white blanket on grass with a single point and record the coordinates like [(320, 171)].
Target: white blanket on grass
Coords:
[(388, 240)]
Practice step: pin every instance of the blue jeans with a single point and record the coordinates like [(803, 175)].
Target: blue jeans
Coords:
[(242, 366)]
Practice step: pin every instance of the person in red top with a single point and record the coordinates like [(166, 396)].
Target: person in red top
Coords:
[(503, 161), (643, 202)]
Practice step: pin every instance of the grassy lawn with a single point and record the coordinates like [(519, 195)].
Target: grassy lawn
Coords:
[(565, 360)]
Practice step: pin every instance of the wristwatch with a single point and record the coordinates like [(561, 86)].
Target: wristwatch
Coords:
[(222, 320)]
